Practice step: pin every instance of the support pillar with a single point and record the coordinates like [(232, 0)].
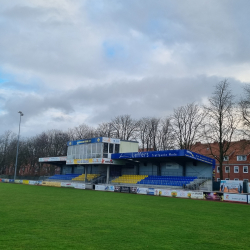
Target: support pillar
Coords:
[(85, 169), (108, 170)]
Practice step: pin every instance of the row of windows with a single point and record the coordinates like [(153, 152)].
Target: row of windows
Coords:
[(239, 158), (236, 169), (92, 150), (236, 179)]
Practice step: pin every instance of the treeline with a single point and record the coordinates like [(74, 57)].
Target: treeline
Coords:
[(221, 120)]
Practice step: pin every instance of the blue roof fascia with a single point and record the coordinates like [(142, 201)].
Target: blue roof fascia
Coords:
[(165, 153)]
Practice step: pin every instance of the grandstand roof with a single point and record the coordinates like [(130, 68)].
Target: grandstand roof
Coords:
[(166, 155)]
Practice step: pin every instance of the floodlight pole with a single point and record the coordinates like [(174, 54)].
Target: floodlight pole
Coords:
[(21, 114)]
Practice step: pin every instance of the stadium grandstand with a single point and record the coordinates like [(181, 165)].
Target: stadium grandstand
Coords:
[(114, 161)]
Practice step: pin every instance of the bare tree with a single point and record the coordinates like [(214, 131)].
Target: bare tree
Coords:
[(245, 111), (83, 131), (187, 122), (124, 127), (7, 151), (165, 135), (105, 129), (148, 133), (221, 122)]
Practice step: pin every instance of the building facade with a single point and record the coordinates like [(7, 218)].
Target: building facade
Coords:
[(236, 164)]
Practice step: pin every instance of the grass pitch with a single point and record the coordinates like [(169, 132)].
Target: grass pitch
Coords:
[(34, 217)]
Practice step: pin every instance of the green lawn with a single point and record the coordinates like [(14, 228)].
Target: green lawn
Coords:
[(35, 217)]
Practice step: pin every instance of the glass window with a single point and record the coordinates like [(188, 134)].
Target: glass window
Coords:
[(94, 148), (69, 150), (105, 147), (111, 148), (227, 169), (227, 179), (84, 151), (117, 148), (77, 149), (73, 152), (245, 179), (241, 157), (236, 179), (236, 169), (218, 169), (218, 179), (105, 155), (226, 158), (245, 169), (88, 151), (81, 152), (98, 150)]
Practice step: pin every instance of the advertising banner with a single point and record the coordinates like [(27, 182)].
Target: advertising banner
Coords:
[(231, 186), (248, 187), (96, 161), (19, 181), (48, 159), (11, 180), (100, 187), (26, 182), (3, 180), (125, 189), (166, 192), (79, 185), (93, 140), (32, 182), (39, 182), (67, 184), (235, 197), (151, 191), (183, 194), (162, 192), (51, 184), (6, 180), (214, 196), (248, 200), (110, 188), (197, 195), (133, 190), (117, 189), (142, 190)]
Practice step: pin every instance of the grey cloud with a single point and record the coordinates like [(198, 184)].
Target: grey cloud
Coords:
[(62, 51)]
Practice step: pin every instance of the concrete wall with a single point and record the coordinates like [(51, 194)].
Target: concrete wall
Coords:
[(171, 169), (149, 169), (128, 171), (67, 170), (200, 170)]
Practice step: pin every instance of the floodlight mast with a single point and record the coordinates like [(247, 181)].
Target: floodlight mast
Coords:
[(21, 114)]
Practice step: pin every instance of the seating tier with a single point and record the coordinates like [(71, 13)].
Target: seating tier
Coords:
[(132, 179)]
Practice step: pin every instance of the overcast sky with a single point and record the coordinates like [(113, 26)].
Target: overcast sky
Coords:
[(68, 62)]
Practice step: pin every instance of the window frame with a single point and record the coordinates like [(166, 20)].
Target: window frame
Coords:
[(244, 171), (218, 169), (227, 171), (239, 157), (226, 158), (236, 167), (236, 179)]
